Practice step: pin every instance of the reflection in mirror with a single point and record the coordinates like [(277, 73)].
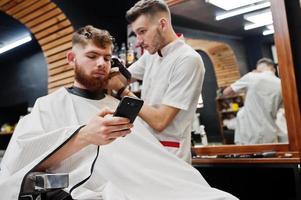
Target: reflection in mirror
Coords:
[(231, 44), (23, 75)]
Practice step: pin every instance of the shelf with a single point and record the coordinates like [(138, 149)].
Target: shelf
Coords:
[(6, 133), (227, 108), (197, 161), (229, 111), (229, 97)]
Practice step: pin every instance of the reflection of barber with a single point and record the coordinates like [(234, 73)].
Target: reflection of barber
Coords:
[(172, 74), (256, 120)]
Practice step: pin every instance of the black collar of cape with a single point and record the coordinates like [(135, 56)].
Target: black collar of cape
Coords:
[(94, 95)]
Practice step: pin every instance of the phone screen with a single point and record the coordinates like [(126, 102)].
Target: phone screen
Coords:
[(129, 107)]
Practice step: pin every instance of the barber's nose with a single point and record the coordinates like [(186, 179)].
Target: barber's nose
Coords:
[(139, 40)]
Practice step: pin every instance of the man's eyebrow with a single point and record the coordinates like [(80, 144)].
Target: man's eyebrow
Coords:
[(95, 52), (139, 29)]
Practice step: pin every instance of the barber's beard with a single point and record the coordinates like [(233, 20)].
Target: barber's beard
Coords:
[(157, 42), (91, 83)]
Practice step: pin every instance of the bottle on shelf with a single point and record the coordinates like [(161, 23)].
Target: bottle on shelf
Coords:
[(122, 53), (203, 135), (130, 54), (115, 50), (135, 87)]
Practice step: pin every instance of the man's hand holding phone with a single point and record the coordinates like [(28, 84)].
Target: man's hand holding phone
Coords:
[(104, 128)]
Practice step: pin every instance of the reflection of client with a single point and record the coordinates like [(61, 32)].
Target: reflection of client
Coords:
[(256, 121)]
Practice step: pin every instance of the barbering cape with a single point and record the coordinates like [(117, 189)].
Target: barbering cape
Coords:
[(135, 167)]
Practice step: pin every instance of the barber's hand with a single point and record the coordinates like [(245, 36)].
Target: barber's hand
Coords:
[(104, 128), (116, 81)]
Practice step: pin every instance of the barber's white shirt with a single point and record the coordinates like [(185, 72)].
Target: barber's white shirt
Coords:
[(175, 79), (256, 120)]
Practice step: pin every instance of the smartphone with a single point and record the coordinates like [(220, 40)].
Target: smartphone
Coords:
[(122, 69), (128, 107)]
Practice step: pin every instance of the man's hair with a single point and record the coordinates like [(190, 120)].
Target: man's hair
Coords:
[(266, 61), (86, 34), (146, 7)]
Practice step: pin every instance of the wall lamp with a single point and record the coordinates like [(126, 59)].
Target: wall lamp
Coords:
[(15, 44)]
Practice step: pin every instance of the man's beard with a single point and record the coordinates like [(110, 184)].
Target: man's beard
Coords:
[(157, 42), (91, 83)]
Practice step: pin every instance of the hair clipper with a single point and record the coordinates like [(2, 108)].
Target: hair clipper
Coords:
[(121, 68)]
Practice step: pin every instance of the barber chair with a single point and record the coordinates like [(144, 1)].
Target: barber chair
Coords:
[(45, 186)]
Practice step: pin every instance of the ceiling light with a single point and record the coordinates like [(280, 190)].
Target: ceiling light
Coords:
[(268, 32), (15, 44), (230, 5), (252, 26), (258, 19), (242, 10), (259, 16), (270, 26)]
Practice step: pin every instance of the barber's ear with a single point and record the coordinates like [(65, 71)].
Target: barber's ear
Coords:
[(71, 58), (163, 23)]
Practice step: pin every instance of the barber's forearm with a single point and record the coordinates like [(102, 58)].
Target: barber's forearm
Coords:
[(154, 118), (157, 118), (228, 91)]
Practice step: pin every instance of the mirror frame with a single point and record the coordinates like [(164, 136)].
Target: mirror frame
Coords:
[(290, 94)]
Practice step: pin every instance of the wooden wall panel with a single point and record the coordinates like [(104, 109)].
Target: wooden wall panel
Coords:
[(56, 57), (57, 64), (61, 76), (43, 18), (222, 57), (56, 35), (53, 31), (63, 40), (59, 70), (57, 49), (21, 6), (48, 23), (31, 8), (41, 12), (174, 2)]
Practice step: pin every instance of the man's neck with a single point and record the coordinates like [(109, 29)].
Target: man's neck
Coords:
[(79, 85), (172, 36), (94, 95)]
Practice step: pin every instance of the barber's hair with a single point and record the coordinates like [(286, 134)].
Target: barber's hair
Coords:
[(98, 37), (146, 7), (266, 61)]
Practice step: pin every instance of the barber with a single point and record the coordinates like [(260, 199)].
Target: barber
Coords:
[(172, 74)]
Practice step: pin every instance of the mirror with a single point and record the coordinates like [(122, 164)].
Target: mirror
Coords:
[(21, 70), (230, 49), (22, 66)]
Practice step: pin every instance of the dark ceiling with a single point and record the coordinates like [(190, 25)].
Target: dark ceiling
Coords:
[(195, 13), (81, 12), (202, 15)]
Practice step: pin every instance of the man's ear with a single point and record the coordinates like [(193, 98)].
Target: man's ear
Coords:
[(71, 58), (163, 23)]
